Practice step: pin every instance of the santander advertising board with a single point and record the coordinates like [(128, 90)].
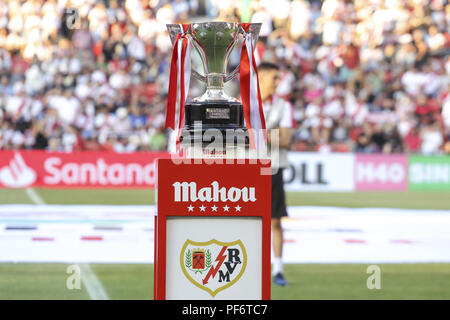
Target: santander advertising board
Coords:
[(83, 169)]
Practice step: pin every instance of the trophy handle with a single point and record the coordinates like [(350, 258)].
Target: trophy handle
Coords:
[(254, 31), (198, 76), (233, 74)]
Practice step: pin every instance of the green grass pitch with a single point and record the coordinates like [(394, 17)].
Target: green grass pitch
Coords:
[(307, 281)]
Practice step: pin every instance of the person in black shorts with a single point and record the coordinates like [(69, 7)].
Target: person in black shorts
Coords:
[(278, 196), (279, 116)]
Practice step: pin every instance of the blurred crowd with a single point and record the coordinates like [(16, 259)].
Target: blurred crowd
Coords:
[(364, 75)]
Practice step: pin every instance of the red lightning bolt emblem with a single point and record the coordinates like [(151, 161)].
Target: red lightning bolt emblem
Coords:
[(212, 272)]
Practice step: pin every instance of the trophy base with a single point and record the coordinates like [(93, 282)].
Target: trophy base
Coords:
[(203, 119)]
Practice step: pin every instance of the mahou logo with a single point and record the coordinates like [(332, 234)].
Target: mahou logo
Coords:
[(187, 192), (17, 174), (213, 266)]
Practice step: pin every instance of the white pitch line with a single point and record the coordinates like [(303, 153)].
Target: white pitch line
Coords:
[(35, 198), (93, 285)]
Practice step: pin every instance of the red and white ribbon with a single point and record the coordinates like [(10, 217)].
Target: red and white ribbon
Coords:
[(180, 75), (250, 94)]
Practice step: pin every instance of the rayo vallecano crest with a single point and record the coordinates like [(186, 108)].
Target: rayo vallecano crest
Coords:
[(213, 266)]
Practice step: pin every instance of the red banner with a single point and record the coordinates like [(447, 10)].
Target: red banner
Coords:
[(23, 169)]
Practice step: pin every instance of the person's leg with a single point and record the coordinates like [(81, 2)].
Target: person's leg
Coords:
[(277, 243), (278, 211)]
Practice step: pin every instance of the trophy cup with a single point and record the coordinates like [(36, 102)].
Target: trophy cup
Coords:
[(214, 42)]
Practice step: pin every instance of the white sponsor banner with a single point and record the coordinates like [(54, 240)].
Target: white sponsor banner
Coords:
[(320, 172)]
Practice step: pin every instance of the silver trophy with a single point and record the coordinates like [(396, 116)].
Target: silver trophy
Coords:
[(214, 42)]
